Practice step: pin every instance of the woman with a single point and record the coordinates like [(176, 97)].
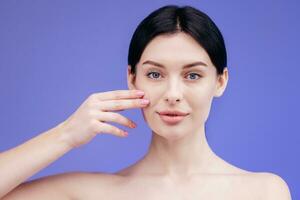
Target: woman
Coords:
[(177, 60)]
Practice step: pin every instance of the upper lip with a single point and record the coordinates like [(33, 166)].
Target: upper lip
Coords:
[(172, 112)]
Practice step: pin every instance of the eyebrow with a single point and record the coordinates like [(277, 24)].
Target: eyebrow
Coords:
[(185, 66)]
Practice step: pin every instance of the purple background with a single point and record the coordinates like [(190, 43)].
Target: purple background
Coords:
[(54, 54)]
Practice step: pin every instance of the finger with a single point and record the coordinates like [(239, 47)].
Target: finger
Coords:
[(117, 94), (105, 128), (115, 105), (115, 117)]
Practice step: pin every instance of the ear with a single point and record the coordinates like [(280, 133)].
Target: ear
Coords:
[(130, 79), (222, 81)]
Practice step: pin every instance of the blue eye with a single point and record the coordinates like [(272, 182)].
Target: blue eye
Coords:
[(152, 73), (195, 74), (157, 74)]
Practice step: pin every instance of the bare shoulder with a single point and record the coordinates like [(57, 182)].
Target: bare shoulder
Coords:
[(257, 185), (70, 185), (89, 185), (276, 187), (269, 185), (85, 185)]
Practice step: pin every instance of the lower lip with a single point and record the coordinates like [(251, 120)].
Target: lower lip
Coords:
[(171, 119)]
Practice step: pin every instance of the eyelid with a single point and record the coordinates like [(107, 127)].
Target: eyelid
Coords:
[(192, 71), (157, 71)]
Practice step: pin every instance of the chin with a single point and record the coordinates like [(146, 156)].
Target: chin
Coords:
[(172, 136), (168, 132)]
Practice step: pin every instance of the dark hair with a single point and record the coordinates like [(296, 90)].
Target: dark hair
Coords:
[(172, 19)]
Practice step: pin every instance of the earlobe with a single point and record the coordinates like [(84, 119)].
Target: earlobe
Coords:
[(221, 83), (130, 79)]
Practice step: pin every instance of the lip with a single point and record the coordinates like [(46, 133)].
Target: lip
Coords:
[(173, 112), (172, 120)]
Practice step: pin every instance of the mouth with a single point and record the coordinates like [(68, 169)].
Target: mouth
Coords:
[(172, 118), (173, 113)]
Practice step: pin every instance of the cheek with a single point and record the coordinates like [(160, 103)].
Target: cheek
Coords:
[(201, 105), (141, 83), (152, 91), (200, 97)]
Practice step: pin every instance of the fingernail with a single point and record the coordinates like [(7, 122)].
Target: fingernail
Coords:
[(144, 101), (140, 93), (125, 133)]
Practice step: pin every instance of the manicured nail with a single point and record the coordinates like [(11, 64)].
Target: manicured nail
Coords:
[(144, 101), (140, 93)]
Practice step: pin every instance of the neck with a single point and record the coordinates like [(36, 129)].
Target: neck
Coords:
[(185, 156)]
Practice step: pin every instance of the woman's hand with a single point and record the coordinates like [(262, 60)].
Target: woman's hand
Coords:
[(91, 117)]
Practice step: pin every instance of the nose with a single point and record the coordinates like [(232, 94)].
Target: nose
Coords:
[(173, 92)]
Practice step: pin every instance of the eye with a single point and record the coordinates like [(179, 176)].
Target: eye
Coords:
[(195, 74), (157, 74), (154, 73)]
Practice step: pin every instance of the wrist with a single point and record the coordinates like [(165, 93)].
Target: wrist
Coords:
[(61, 136)]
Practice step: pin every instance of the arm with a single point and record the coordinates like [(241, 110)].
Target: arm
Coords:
[(20, 163), (46, 188), (66, 186), (23, 161)]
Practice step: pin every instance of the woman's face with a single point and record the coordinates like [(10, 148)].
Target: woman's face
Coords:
[(172, 87)]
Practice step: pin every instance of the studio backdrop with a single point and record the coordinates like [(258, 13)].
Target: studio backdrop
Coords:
[(54, 54)]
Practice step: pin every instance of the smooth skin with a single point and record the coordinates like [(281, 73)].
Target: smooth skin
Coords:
[(179, 164), (80, 128)]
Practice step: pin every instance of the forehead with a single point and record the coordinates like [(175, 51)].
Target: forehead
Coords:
[(175, 49)]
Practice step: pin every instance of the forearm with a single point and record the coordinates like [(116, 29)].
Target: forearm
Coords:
[(20, 163)]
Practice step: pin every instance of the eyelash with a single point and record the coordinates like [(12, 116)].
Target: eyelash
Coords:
[(159, 73)]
